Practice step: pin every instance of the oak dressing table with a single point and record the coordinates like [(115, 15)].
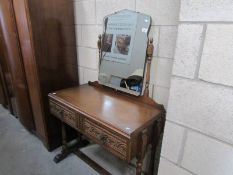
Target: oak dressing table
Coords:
[(102, 112), (123, 124)]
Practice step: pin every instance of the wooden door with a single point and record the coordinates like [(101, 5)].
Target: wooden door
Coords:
[(47, 38), (27, 47), (13, 58), (7, 97), (3, 100)]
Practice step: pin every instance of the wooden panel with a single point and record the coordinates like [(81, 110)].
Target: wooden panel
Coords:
[(12, 54)]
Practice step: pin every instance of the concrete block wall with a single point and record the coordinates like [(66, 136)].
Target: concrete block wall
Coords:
[(198, 137), (89, 16)]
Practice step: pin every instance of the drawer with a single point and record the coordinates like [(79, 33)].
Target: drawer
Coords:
[(55, 109), (70, 118), (64, 114), (110, 140)]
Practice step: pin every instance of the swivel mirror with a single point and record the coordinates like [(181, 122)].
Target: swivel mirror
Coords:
[(123, 51)]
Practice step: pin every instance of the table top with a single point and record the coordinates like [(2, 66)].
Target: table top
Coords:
[(121, 112)]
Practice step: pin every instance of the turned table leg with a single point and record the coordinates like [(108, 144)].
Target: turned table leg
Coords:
[(157, 131), (70, 147), (64, 151), (142, 150), (153, 149)]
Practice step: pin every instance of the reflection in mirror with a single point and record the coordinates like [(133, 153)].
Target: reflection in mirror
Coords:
[(123, 51)]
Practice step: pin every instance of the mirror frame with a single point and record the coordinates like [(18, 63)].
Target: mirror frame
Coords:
[(100, 46)]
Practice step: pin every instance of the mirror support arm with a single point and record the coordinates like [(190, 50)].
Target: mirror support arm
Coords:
[(99, 45), (149, 53)]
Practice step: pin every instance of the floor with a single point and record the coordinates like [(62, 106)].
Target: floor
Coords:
[(21, 153)]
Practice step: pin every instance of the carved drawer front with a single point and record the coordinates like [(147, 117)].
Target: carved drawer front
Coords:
[(70, 118), (55, 109), (64, 114), (110, 140)]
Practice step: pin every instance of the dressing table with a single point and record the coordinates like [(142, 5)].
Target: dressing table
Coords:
[(121, 123)]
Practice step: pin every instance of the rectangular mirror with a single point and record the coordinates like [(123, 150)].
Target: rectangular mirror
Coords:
[(123, 51)]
